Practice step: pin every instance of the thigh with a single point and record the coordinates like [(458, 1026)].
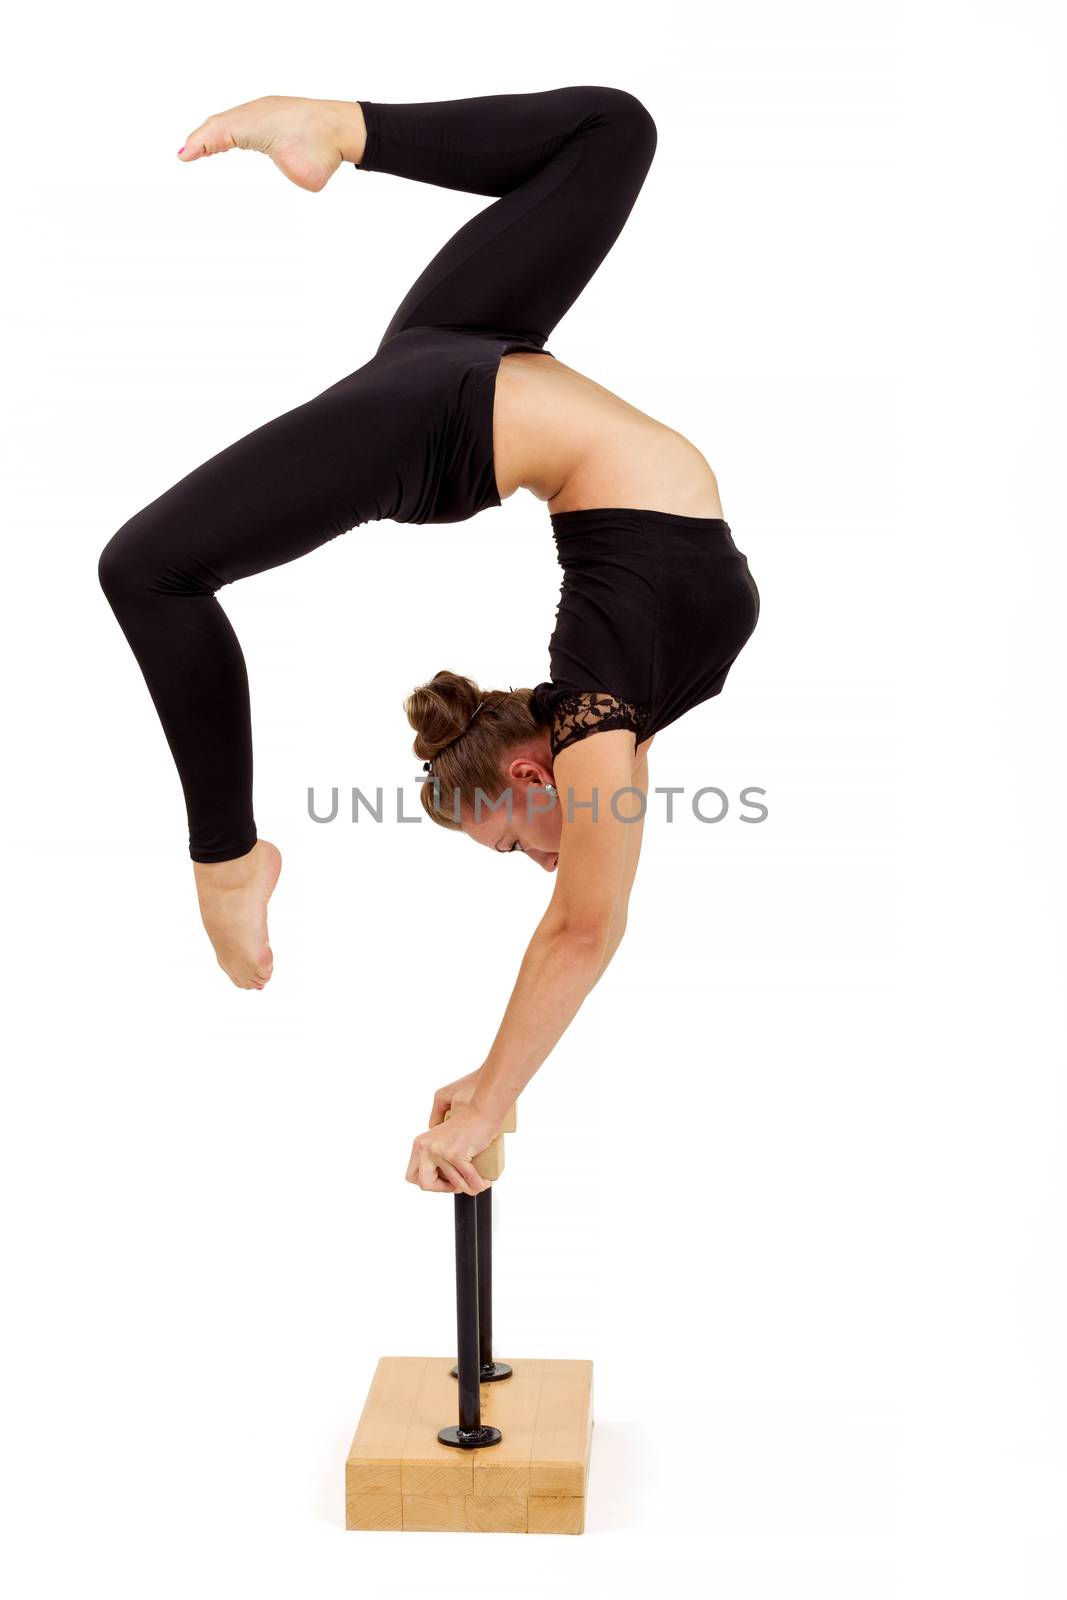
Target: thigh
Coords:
[(352, 454)]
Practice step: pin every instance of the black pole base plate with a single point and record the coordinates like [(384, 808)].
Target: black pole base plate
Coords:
[(475, 1439), (493, 1374)]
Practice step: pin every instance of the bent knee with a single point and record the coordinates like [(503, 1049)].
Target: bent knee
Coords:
[(631, 116), (114, 568), (146, 557)]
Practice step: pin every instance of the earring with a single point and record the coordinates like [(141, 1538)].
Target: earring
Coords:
[(549, 789)]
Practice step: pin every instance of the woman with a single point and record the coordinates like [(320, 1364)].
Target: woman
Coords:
[(460, 406)]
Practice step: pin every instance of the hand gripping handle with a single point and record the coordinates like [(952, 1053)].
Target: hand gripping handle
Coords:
[(489, 1163)]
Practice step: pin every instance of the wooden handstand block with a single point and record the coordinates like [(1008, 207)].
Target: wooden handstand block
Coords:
[(398, 1476)]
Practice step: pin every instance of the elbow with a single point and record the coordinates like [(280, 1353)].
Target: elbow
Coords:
[(586, 939)]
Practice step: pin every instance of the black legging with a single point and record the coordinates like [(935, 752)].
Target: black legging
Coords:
[(408, 436)]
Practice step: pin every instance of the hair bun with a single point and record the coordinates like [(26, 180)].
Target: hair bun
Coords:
[(440, 710)]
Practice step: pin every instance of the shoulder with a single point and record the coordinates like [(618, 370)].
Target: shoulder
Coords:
[(573, 714)]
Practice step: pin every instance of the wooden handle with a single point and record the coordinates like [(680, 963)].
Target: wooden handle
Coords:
[(489, 1163)]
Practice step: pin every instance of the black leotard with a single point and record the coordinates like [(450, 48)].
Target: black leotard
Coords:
[(409, 436), (653, 611)]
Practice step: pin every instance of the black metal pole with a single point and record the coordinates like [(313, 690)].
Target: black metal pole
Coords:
[(470, 1399), (492, 1371), (470, 1433), (483, 1205)]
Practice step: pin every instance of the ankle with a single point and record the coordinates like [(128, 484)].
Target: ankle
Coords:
[(234, 874), (351, 129)]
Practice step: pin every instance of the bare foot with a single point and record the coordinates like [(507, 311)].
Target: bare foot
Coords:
[(307, 139), (233, 905)]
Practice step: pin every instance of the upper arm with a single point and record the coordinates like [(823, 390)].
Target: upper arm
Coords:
[(630, 806), (597, 856)]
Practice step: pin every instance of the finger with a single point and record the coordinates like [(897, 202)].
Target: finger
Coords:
[(441, 1103), (416, 1161), (473, 1177), (429, 1180), (452, 1175), (462, 1176)]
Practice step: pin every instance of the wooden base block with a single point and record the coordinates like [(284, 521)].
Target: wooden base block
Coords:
[(400, 1476)]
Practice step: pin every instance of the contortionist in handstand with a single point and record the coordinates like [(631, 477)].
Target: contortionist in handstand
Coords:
[(460, 406)]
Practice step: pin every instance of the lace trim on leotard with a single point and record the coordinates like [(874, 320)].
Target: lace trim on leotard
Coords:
[(590, 711)]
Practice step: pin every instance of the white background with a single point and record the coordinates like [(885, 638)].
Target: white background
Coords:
[(794, 1178)]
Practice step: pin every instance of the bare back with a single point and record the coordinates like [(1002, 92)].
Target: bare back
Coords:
[(575, 445)]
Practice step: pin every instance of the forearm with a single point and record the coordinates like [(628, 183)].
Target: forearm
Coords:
[(557, 972)]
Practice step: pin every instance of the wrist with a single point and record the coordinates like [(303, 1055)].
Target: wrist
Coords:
[(488, 1106)]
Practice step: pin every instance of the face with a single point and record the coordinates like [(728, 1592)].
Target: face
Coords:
[(536, 821)]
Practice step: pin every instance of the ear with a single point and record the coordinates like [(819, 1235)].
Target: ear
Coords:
[(527, 769)]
